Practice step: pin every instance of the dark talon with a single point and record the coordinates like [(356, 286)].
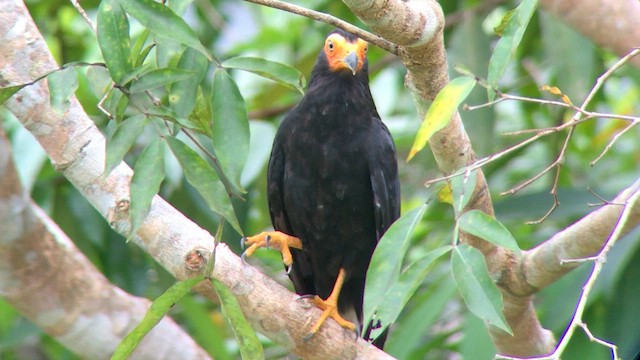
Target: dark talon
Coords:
[(242, 242), (266, 241), (287, 269), (308, 337), (308, 296), (243, 257)]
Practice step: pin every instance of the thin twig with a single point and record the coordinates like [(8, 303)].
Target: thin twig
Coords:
[(87, 19), (579, 261), (556, 202), (581, 115), (603, 201), (331, 20), (614, 349), (613, 140)]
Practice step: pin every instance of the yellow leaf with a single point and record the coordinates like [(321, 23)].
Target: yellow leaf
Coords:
[(552, 89), (445, 194), (441, 111)]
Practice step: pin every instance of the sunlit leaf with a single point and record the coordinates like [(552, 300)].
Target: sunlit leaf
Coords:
[(476, 287), (441, 111), (284, 74), (386, 262), (477, 223), (445, 194), (163, 22), (159, 77), (230, 126), (505, 49), (204, 179), (145, 184), (62, 85), (159, 308), (122, 139), (248, 342)]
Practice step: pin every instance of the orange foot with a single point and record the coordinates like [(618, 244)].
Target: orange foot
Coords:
[(329, 308), (272, 239)]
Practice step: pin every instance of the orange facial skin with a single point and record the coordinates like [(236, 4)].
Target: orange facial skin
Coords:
[(344, 55)]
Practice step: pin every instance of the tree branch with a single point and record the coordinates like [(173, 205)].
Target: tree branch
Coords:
[(45, 277), (594, 19), (547, 262), (77, 149), (331, 20)]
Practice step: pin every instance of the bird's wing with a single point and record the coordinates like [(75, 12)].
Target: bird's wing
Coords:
[(383, 172), (301, 273)]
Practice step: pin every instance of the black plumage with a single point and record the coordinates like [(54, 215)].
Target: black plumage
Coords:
[(333, 178)]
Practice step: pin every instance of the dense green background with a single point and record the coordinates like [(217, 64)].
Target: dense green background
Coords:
[(436, 322)]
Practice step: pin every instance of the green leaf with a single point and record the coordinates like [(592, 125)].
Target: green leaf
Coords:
[(426, 308), (145, 184), (122, 139), (183, 94), (138, 54), (477, 223), (478, 290), (7, 92), (248, 342), (159, 308), (159, 77), (113, 38), (201, 113), (62, 85), (506, 47), (163, 22), (100, 81), (205, 180), (441, 111), (229, 127), (386, 262), (462, 187), (281, 73), (399, 293)]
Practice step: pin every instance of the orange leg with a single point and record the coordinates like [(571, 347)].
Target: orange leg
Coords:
[(329, 308), (272, 239)]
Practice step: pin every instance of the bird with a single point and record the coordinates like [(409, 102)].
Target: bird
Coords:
[(332, 186)]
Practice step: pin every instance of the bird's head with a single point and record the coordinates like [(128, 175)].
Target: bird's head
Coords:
[(345, 52)]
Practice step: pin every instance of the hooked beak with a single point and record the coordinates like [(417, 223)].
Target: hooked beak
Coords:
[(351, 61)]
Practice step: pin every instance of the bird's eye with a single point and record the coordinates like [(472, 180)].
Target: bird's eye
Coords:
[(330, 45), (366, 47)]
